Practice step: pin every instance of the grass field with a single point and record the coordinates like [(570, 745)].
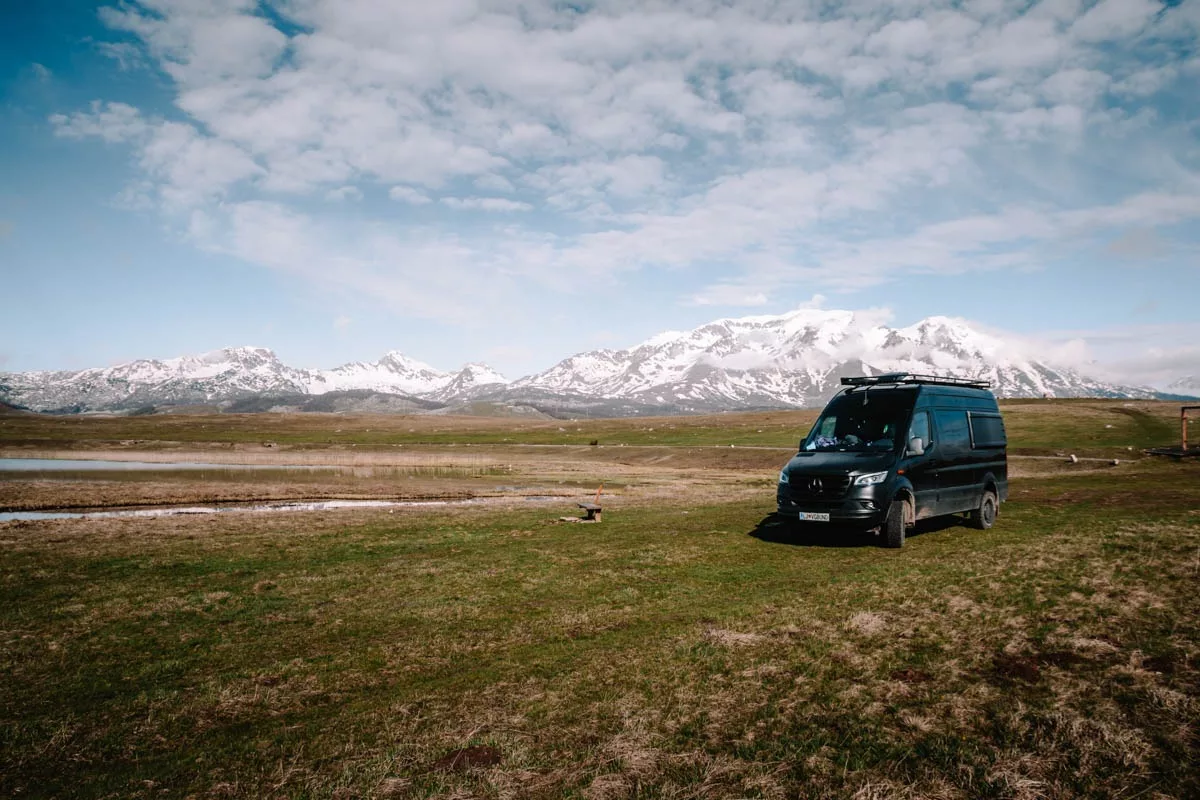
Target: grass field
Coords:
[(1033, 424), (688, 646)]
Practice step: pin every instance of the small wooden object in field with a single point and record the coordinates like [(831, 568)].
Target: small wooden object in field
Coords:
[(591, 510)]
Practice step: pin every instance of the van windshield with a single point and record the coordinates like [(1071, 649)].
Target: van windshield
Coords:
[(864, 421)]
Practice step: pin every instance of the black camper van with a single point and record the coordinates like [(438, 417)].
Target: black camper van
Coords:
[(889, 450)]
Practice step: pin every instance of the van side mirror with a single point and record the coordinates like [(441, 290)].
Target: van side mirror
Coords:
[(916, 447)]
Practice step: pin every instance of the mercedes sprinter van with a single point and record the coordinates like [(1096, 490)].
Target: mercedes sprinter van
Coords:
[(889, 450)]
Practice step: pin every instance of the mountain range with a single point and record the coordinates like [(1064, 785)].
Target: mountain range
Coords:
[(788, 361)]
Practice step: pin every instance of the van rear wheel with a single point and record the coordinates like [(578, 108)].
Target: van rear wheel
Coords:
[(893, 525), (984, 517)]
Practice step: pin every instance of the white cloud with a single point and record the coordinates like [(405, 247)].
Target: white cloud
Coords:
[(486, 203), (127, 55), (183, 166), (192, 168), (415, 275), (1154, 354), (198, 42), (1074, 86), (1144, 82), (343, 193), (494, 183), (407, 194), (910, 38), (112, 122), (585, 183), (728, 295), (767, 94), (1114, 19)]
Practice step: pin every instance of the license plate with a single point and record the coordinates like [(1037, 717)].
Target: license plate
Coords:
[(813, 516)]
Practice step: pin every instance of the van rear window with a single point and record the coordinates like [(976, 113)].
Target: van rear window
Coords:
[(987, 430)]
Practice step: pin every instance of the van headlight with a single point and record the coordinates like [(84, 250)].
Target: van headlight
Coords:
[(783, 478), (870, 480)]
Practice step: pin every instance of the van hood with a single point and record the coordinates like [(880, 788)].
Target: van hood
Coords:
[(857, 463)]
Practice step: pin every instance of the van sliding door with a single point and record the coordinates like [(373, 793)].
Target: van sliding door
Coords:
[(956, 474)]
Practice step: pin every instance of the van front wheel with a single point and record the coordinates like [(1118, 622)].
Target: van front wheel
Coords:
[(893, 525), (984, 517)]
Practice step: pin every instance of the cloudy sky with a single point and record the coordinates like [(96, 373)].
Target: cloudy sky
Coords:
[(515, 182)]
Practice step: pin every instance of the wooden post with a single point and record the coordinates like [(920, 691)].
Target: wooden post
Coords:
[(1183, 426)]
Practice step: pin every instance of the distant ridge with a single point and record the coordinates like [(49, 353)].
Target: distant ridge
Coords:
[(7, 409), (232, 375), (792, 360)]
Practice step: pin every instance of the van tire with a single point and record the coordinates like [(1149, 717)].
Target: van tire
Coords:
[(984, 517), (893, 525)]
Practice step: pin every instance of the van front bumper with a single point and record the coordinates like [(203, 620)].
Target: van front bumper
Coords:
[(861, 509)]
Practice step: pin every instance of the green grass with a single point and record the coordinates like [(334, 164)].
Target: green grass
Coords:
[(1088, 425), (1035, 426), (659, 654), (768, 428)]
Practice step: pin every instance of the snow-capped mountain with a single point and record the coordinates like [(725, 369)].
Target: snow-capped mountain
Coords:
[(471, 381), (395, 373), (796, 359), (790, 360), (230, 374)]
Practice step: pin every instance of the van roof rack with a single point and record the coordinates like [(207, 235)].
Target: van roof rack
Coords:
[(908, 377)]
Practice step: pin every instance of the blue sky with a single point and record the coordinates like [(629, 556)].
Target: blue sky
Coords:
[(515, 182)]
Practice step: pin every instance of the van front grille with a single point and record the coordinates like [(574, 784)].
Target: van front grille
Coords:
[(818, 487)]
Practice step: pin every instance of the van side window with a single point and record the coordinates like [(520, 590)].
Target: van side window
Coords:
[(987, 430), (920, 427), (954, 431)]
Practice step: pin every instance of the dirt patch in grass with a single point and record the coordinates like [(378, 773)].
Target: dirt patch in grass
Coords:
[(911, 676), (1063, 659), (465, 758), (1009, 667)]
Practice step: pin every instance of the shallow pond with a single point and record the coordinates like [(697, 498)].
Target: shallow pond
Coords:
[(261, 508)]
